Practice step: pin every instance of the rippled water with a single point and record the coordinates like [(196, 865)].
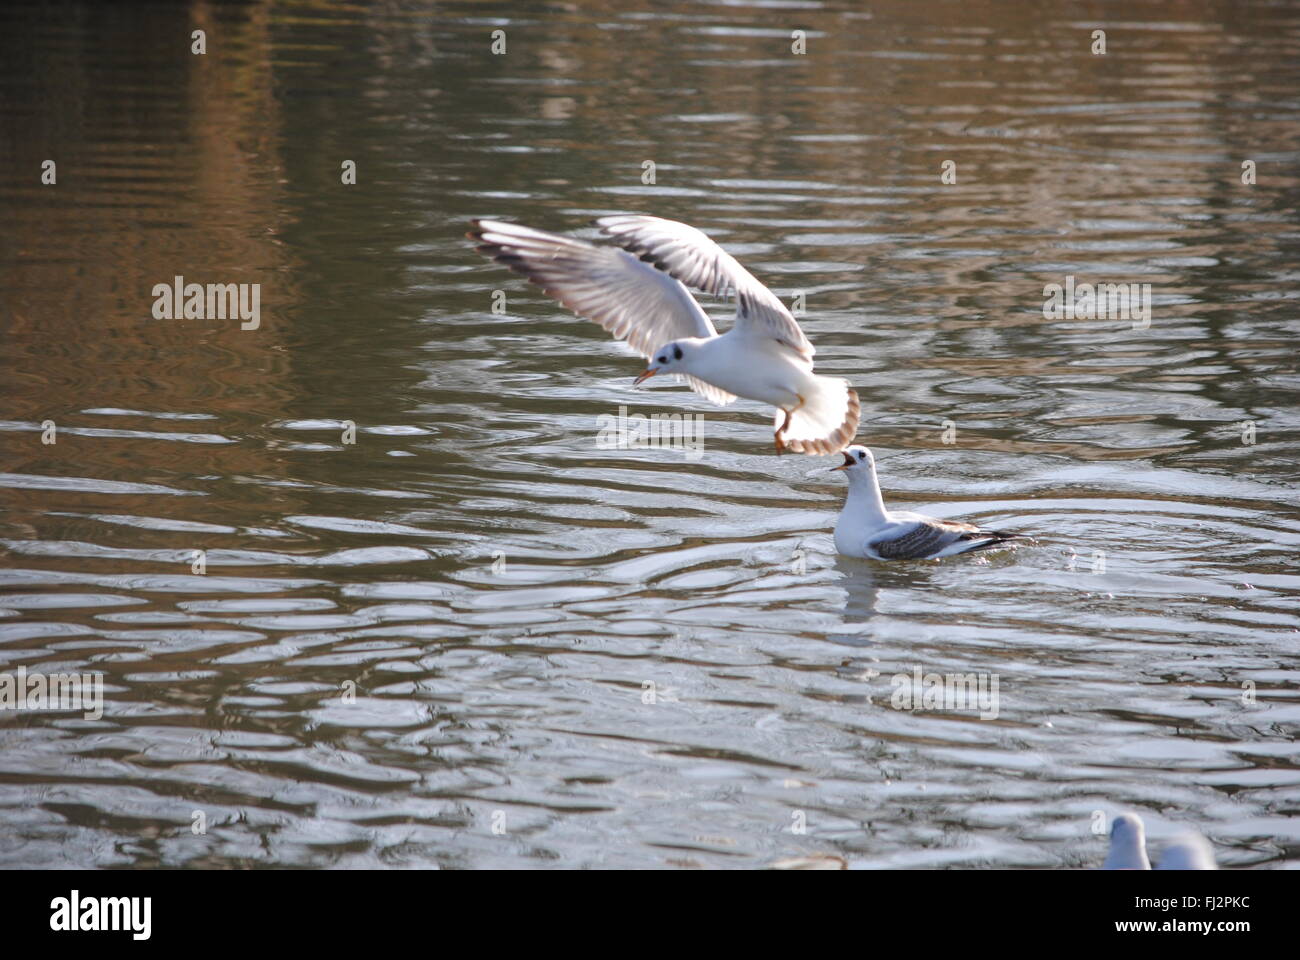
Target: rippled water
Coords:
[(502, 594)]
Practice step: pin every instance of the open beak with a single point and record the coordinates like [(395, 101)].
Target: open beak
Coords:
[(848, 462), (646, 375)]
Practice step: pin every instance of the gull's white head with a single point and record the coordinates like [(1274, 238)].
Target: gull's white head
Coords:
[(858, 462), (670, 358), (1128, 844)]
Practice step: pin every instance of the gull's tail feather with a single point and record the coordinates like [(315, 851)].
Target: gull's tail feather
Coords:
[(985, 539), (828, 420)]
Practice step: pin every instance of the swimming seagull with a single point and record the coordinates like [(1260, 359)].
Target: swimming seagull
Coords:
[(1128, 848), (866, 529), (1128, 844), (638, 293)]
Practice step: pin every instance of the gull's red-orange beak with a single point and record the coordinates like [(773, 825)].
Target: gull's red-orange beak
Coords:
[(646, 375), (848, 462)]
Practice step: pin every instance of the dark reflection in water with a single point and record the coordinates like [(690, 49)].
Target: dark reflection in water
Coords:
[(373, 652)]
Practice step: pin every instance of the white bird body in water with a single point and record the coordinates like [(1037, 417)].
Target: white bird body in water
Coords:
[(638, 293), (1128, 848), (1188, 851), (866, 529)]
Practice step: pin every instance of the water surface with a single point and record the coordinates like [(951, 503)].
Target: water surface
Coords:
[(500, 594)]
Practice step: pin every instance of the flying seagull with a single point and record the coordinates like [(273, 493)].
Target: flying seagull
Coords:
[(866, 529), (637, 291)]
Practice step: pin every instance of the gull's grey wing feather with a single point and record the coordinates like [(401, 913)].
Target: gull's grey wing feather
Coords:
[(930, 537), (629, 298), (688, 255)]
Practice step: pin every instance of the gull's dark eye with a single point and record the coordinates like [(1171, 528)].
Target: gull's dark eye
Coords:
[(663, 359), (677, 352), (861, 457)]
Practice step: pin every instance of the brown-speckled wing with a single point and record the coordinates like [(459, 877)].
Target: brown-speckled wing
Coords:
[(927, 538)]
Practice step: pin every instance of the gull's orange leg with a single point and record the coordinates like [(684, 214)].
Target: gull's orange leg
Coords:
[(780, 443)]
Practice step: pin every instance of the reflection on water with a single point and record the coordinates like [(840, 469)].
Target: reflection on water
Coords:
[(361, 583)]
